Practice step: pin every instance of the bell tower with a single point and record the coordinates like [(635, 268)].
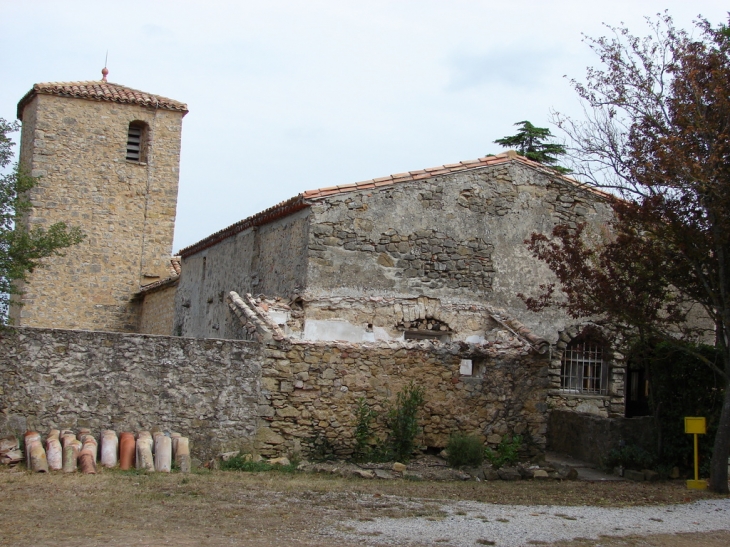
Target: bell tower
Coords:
[(107, 160)]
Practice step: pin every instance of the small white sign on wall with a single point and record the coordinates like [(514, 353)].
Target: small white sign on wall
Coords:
[(465, 369)]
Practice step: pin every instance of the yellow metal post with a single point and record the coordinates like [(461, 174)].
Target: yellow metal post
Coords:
[(696, 426), (697, 459)]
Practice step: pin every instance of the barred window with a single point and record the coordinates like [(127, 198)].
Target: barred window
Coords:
[(137, 142), (584, 368)]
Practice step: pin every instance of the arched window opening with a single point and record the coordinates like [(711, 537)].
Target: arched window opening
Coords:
[(137, 142), (583, 367)]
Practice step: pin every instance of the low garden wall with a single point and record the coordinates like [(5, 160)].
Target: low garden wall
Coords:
[(311, 391), (276, 399), (207, 390)]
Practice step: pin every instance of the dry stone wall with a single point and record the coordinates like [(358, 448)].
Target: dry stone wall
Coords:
[(310, 392), (205, 389), (276, 399)]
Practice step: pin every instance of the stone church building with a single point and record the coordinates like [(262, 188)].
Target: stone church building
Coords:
[(427, 262)]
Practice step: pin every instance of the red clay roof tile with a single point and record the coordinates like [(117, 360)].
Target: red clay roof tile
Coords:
[(98, 90)]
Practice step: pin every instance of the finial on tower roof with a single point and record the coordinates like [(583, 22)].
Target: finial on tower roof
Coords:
[(105, 70)]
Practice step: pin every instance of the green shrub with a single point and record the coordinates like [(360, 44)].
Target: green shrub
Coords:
[(465, 450), (403, 421), (363, 429), (507, 452)]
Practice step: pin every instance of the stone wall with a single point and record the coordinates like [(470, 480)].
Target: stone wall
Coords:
[(126, 209), (457, 237), (268, 259), (206, 389), (590, 438), (157, 311), (310, 392), (276, 399)]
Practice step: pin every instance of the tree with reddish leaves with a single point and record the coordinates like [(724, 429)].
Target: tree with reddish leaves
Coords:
[(657, 136)]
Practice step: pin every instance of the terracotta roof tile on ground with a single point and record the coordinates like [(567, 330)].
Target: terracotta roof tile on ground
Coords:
[(98, 90), (304, 199)]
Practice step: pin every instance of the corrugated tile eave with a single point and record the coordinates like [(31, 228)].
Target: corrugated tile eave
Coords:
[(285, 208), (152, 287)]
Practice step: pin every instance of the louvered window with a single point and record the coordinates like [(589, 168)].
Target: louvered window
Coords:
[(136, 142), (584, 368)]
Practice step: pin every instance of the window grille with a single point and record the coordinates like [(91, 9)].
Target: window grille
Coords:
[(583, 368)]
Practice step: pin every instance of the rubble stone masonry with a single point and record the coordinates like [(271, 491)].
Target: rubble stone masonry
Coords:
[(457, 237), (157, 315), (126, 209), (310, 393), (273, 399), (205, 389)]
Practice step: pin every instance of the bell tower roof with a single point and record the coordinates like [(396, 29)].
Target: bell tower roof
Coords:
[(100, 90)]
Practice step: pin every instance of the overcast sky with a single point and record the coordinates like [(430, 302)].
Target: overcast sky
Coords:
[(287, 96)]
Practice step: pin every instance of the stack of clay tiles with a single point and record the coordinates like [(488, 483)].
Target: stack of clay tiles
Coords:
[(70, 452)]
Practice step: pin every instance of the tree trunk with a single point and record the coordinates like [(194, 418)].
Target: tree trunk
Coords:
[(721, 449)]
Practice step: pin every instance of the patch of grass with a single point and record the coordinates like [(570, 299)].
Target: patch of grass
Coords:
[(270, 508), (241, 463)]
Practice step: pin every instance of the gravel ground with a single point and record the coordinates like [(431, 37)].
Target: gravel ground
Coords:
[(469, 523)]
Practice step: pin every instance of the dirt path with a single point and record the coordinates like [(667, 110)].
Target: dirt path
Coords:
[(272, 509)]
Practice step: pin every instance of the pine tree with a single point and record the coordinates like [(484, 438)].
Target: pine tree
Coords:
[(530, 141)]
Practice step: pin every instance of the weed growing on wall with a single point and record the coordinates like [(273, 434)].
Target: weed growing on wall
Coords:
[(403, 421), (322, 449)]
